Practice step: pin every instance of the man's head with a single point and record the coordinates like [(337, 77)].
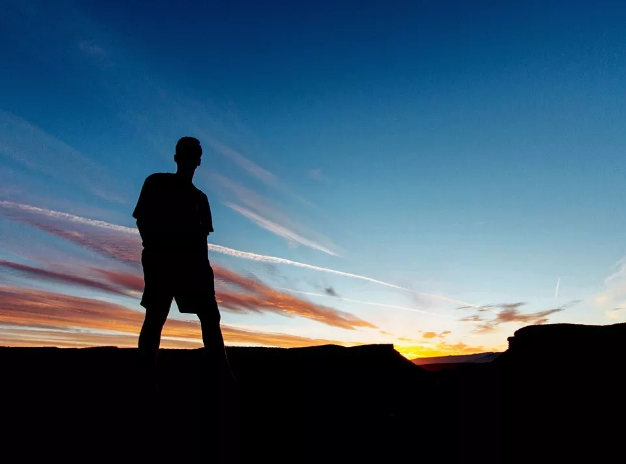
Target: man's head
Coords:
[(188, 153)]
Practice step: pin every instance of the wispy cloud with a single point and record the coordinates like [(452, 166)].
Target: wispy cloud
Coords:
[(276, 260), (93, 49), (36, 150), (370, 303), (49, 275), (259, 297), (117, 242), (509, 313), (435, 334), (120, 247), (613, 296), (616, 313), (28, 337), (253, 169), (61, 317), (261, 211), (10, 205), (131, 281), (244, 163), (98, 54), (279, 230), (619, 272), (251, 295), (316, 174)]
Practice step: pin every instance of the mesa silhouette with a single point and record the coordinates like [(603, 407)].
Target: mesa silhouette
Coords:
[(556, 395)]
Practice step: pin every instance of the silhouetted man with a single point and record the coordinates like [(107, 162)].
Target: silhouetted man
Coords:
[(174, 220)]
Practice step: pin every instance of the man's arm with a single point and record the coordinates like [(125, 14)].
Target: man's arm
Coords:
[(144, 208), (205, 216)]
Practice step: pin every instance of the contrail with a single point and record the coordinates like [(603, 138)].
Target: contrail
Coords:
[(278, 229), (556, 291), (275, 260), (226, 251), (69, 217), (367, 302)]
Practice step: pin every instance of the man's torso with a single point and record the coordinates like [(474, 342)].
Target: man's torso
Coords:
[(173, 216)]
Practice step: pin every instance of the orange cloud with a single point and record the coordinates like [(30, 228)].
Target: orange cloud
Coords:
[(130, 281), (59, 277), (127, 248), (51, 318), (114, 244), (257, 296), (20, 337), (260, 297), (436, 335)]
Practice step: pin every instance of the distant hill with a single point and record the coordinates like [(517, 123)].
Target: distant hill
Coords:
[(458, 359)]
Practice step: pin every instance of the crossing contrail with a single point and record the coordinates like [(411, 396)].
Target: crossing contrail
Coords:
[(224, 250), (556, 291)]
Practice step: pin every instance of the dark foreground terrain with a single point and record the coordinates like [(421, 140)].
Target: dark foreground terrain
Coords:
[(557, 395)]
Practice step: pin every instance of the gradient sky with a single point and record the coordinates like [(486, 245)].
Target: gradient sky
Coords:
[(463, 163)]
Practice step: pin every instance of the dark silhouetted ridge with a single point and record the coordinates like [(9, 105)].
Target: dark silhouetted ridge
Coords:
[(563, 390), (556, 395), (318, 404)]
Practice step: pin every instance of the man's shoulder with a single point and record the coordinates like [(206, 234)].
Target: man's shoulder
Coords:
[(159, 177), (200, 193)]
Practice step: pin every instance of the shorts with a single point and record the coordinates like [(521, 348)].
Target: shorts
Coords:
[(187, 279)]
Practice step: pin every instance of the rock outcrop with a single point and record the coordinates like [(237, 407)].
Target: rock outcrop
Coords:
[(563, 388)]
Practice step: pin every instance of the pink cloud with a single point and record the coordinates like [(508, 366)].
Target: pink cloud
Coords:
[(61, 320)]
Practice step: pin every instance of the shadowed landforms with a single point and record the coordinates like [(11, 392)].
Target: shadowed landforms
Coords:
[(556, 395), (453, 361)]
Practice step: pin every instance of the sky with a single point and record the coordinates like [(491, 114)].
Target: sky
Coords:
[(432, 174)]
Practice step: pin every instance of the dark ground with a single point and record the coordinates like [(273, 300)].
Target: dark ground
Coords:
[(557, 395)]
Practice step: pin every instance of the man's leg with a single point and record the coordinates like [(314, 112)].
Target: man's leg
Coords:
[(219, 405), (209, 314), (214, 343), (150, 340), (150, 433)]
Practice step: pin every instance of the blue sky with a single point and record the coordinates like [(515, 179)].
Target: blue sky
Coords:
[(470, 150)]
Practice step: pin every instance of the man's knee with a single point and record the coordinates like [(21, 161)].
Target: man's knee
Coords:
[(155, 318), (212, 316)]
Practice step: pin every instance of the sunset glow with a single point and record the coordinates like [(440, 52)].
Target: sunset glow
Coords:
[(422, 179)]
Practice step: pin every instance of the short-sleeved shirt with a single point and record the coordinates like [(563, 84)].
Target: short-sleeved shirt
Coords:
[(173, 215)]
